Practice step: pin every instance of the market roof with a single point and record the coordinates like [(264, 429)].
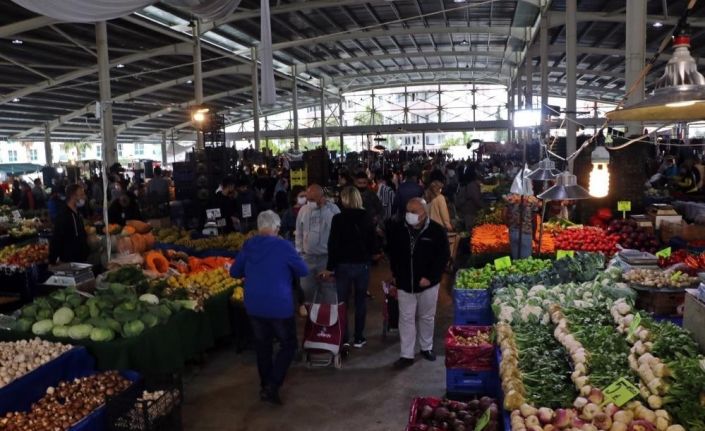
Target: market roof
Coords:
[(49, 69)]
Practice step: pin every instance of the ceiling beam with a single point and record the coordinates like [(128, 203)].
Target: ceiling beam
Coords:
[(25, 25), (558, 18), (393, 72)]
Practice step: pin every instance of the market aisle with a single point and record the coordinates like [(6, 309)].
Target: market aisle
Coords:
[(365, 394)]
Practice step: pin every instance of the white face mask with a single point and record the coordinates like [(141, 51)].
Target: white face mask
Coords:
[(412, 219), (81, 203), (301, 200), (312, 204)]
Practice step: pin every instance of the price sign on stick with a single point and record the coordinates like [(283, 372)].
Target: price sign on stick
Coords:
[(503, 262), (213, 213), (665, 253), (560, 254), (16, 215), (620, 392), (624, 206), (246, 211), (483, 421)]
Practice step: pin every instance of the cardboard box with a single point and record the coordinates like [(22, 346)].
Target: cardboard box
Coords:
[(694, 317)]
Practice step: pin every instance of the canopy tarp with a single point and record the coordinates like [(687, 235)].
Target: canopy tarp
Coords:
[(19, 168)]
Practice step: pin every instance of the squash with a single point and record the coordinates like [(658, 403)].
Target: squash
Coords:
[(155, 261), (128, 230), (138, 243), (114, 229), (149, 240), (139, 226)]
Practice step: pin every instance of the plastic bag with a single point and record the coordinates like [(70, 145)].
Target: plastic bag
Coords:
[(473, 358), (522, 188)]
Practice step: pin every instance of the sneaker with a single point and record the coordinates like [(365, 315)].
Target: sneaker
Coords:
[(271, 396), (360, 342), (403, 363), (346, 345), (428, 355)]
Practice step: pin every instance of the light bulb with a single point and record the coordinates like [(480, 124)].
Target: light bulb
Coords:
[(198, 116), (599, 180)]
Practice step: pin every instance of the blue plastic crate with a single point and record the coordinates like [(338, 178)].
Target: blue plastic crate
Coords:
[(473, 317), (459, 381), (472, 307)]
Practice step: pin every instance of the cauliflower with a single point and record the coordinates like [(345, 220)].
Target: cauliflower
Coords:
[(528, 311), (519, 292), (506, 314), (537, 290)]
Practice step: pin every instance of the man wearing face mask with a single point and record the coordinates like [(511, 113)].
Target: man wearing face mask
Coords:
[(68, 241), (311, 237), (418, 253), (370, 201)]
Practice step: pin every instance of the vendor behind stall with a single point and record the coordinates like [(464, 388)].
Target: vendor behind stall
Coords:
[(123, 209), (68, 241)]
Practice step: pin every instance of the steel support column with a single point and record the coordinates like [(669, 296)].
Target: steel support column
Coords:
[(571, 57), (163, 147), (423, 141), (197, 75), (255, 97), (47, 145), (295, 105), (543, 35), (341, 115), (529, 76), (106, 105), (635, 48), (324, 135), (510, 110)]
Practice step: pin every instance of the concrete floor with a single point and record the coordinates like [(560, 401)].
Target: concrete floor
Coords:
[(365, 394)]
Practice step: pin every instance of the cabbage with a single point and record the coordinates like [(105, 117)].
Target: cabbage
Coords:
[(80, 332), (44, 314), (113, 324), (29, 310), (23, 324), (102, 334), (133, 328), (82, 312), (150, 320), (149, 299), (60, 331), (63, 316), (42, 327), (74, 299)]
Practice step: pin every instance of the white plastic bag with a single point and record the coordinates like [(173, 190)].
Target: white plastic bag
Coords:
[(522, 188)]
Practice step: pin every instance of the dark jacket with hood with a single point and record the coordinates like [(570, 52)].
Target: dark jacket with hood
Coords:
[(416, 254), (69, 240), (351, 239), (269, 265)]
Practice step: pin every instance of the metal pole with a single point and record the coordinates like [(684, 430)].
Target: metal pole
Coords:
[(295, 106), (543, 34), (510, 110), (406, 105), (255, 97), (164, 148), (635, 47), (373, 113), (324, 135), (341, 113), (529, 74), (47, 144), (197, 76), (423, 141), (440, 107), (571, 57), (106, 107)]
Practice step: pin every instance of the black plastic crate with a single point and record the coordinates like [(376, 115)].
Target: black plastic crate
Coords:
[(127, 412)]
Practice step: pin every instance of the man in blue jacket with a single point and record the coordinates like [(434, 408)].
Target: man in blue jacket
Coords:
[(269, 264)]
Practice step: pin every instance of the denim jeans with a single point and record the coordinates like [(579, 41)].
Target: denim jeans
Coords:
[(357, 275), (524, 249), (272, 370)]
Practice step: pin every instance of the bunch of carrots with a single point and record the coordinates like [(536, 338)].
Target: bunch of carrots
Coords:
[(489, 238)]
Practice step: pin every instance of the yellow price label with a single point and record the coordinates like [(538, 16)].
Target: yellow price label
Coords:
[(665, 253), (624, 205), (620, 392), (560, 254), (483, 421), (503, 262), (636, 321)]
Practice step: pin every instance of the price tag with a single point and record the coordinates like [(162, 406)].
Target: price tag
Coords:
[(624, 205), (246, 210), (43, 241), (665, 253), (635, 324), (620, 392), (560, 254), (213, 213), (16, 215), (503, 262), (483, 421), (220, 222)]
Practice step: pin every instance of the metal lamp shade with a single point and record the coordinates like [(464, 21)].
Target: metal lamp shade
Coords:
[(545, 172), (566, 188)]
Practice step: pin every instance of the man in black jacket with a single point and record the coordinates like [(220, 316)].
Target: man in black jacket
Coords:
[(68, 241), (418, 253)]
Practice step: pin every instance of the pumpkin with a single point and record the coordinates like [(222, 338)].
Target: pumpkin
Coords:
[(155, 261), (138, 243), (114, 229), (128, 230), (139, 226), (149, 240)]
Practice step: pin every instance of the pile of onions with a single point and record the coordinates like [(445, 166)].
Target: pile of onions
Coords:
[(18, 358)]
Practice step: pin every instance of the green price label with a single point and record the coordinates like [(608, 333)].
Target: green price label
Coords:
[(503, 262), (620, 392), (665, 253), (560, 254), (483, 421), (635, 324), (624, 205)]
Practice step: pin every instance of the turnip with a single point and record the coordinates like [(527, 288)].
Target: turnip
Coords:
[(639, 348), (589, 411), (645, 414), (563, 418), (545, 415), (675, 428), (588, 427), (646, 358), (645, 373), (654, 385), (581, 381), (661, 424), (527, 410), (602, 421), (549, 427), (585, 390), (611, 409), (623, 416), (532, 421), (596, 396), (655, 402), (618, 426), (580, 402), (663, 414), (580, 367), (661, 370), (633, 364)]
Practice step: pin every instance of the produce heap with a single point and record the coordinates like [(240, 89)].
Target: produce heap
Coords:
[(482, 278), (20, 258), (490, 238), (67, 404), (135, 237), (563, 345), (657, 278), (435, 415), (18, 358), (181, 237), (587, 238), (112, 312)]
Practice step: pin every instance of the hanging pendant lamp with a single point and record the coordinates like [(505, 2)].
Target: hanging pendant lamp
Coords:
[(566, 188), (680, 93), (546, 171)]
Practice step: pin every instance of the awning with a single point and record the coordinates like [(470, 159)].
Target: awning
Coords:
[(19, 168)]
